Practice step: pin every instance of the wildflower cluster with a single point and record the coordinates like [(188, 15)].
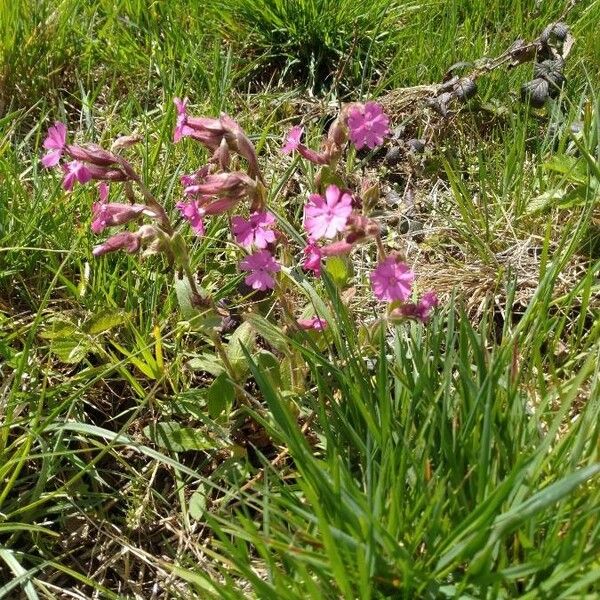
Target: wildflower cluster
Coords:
[(231, 182), (335, 215)]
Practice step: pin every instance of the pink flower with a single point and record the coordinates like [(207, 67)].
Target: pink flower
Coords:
[(392, 280), (426, 304), (181, 127), (114, 213), (420, 311), (55, 142), (292, 143), (368, 125), (124, 240), (103, 192), (75, 171), (193, 215), (324, 217), (312, 259), (256, 230), (262, 266), (292, 139), (314, 323)]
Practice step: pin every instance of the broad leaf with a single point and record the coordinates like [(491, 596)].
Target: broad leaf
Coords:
[(220, 396), (174, 437), (243, 337), (104, 321)]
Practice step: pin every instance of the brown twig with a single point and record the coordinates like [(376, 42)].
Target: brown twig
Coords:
[(450, 89)]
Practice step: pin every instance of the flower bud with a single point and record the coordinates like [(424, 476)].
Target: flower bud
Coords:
[(92, 153), (124, 240), (115, 213), (233, 185), (147, 233), (219, 206), (222, 156), (370, 194), (240, 143), (337, 248), (126, 141), (338, 132), (318, 158)]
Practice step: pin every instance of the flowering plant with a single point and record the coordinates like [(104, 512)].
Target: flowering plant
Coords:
[(335, 217)]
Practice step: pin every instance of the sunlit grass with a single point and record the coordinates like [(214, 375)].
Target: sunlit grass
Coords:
[(454, 460)]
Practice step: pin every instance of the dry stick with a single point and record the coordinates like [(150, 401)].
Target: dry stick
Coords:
[(518, 53)]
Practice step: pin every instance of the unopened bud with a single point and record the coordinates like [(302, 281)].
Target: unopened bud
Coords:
[(126, 141), (92, 154), (124, 240)]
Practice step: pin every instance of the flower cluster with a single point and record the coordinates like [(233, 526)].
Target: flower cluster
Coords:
[(82, 164), (215, 189), (335, 219), (391, 280), (333, 215), (365, 125), (86, 162)]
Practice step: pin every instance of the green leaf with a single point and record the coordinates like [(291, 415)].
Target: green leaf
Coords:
[(67, 342), (337, 267), (544, 200), (540, 501), (183, 292), (207, 362), (286, 371), (330, 177), (58, 329), (104, 322), (571, 166), (71, 350), (149, 369), (272, 334), (200, 319), (22, 575), (174, 437), (269, 364), (544, 498), (197, 505), (179, 248), (220, 395), (243, 337), (206, 321), (560, 198)]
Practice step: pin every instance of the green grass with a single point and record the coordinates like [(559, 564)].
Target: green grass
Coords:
[(457, 460), (310, 40)]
